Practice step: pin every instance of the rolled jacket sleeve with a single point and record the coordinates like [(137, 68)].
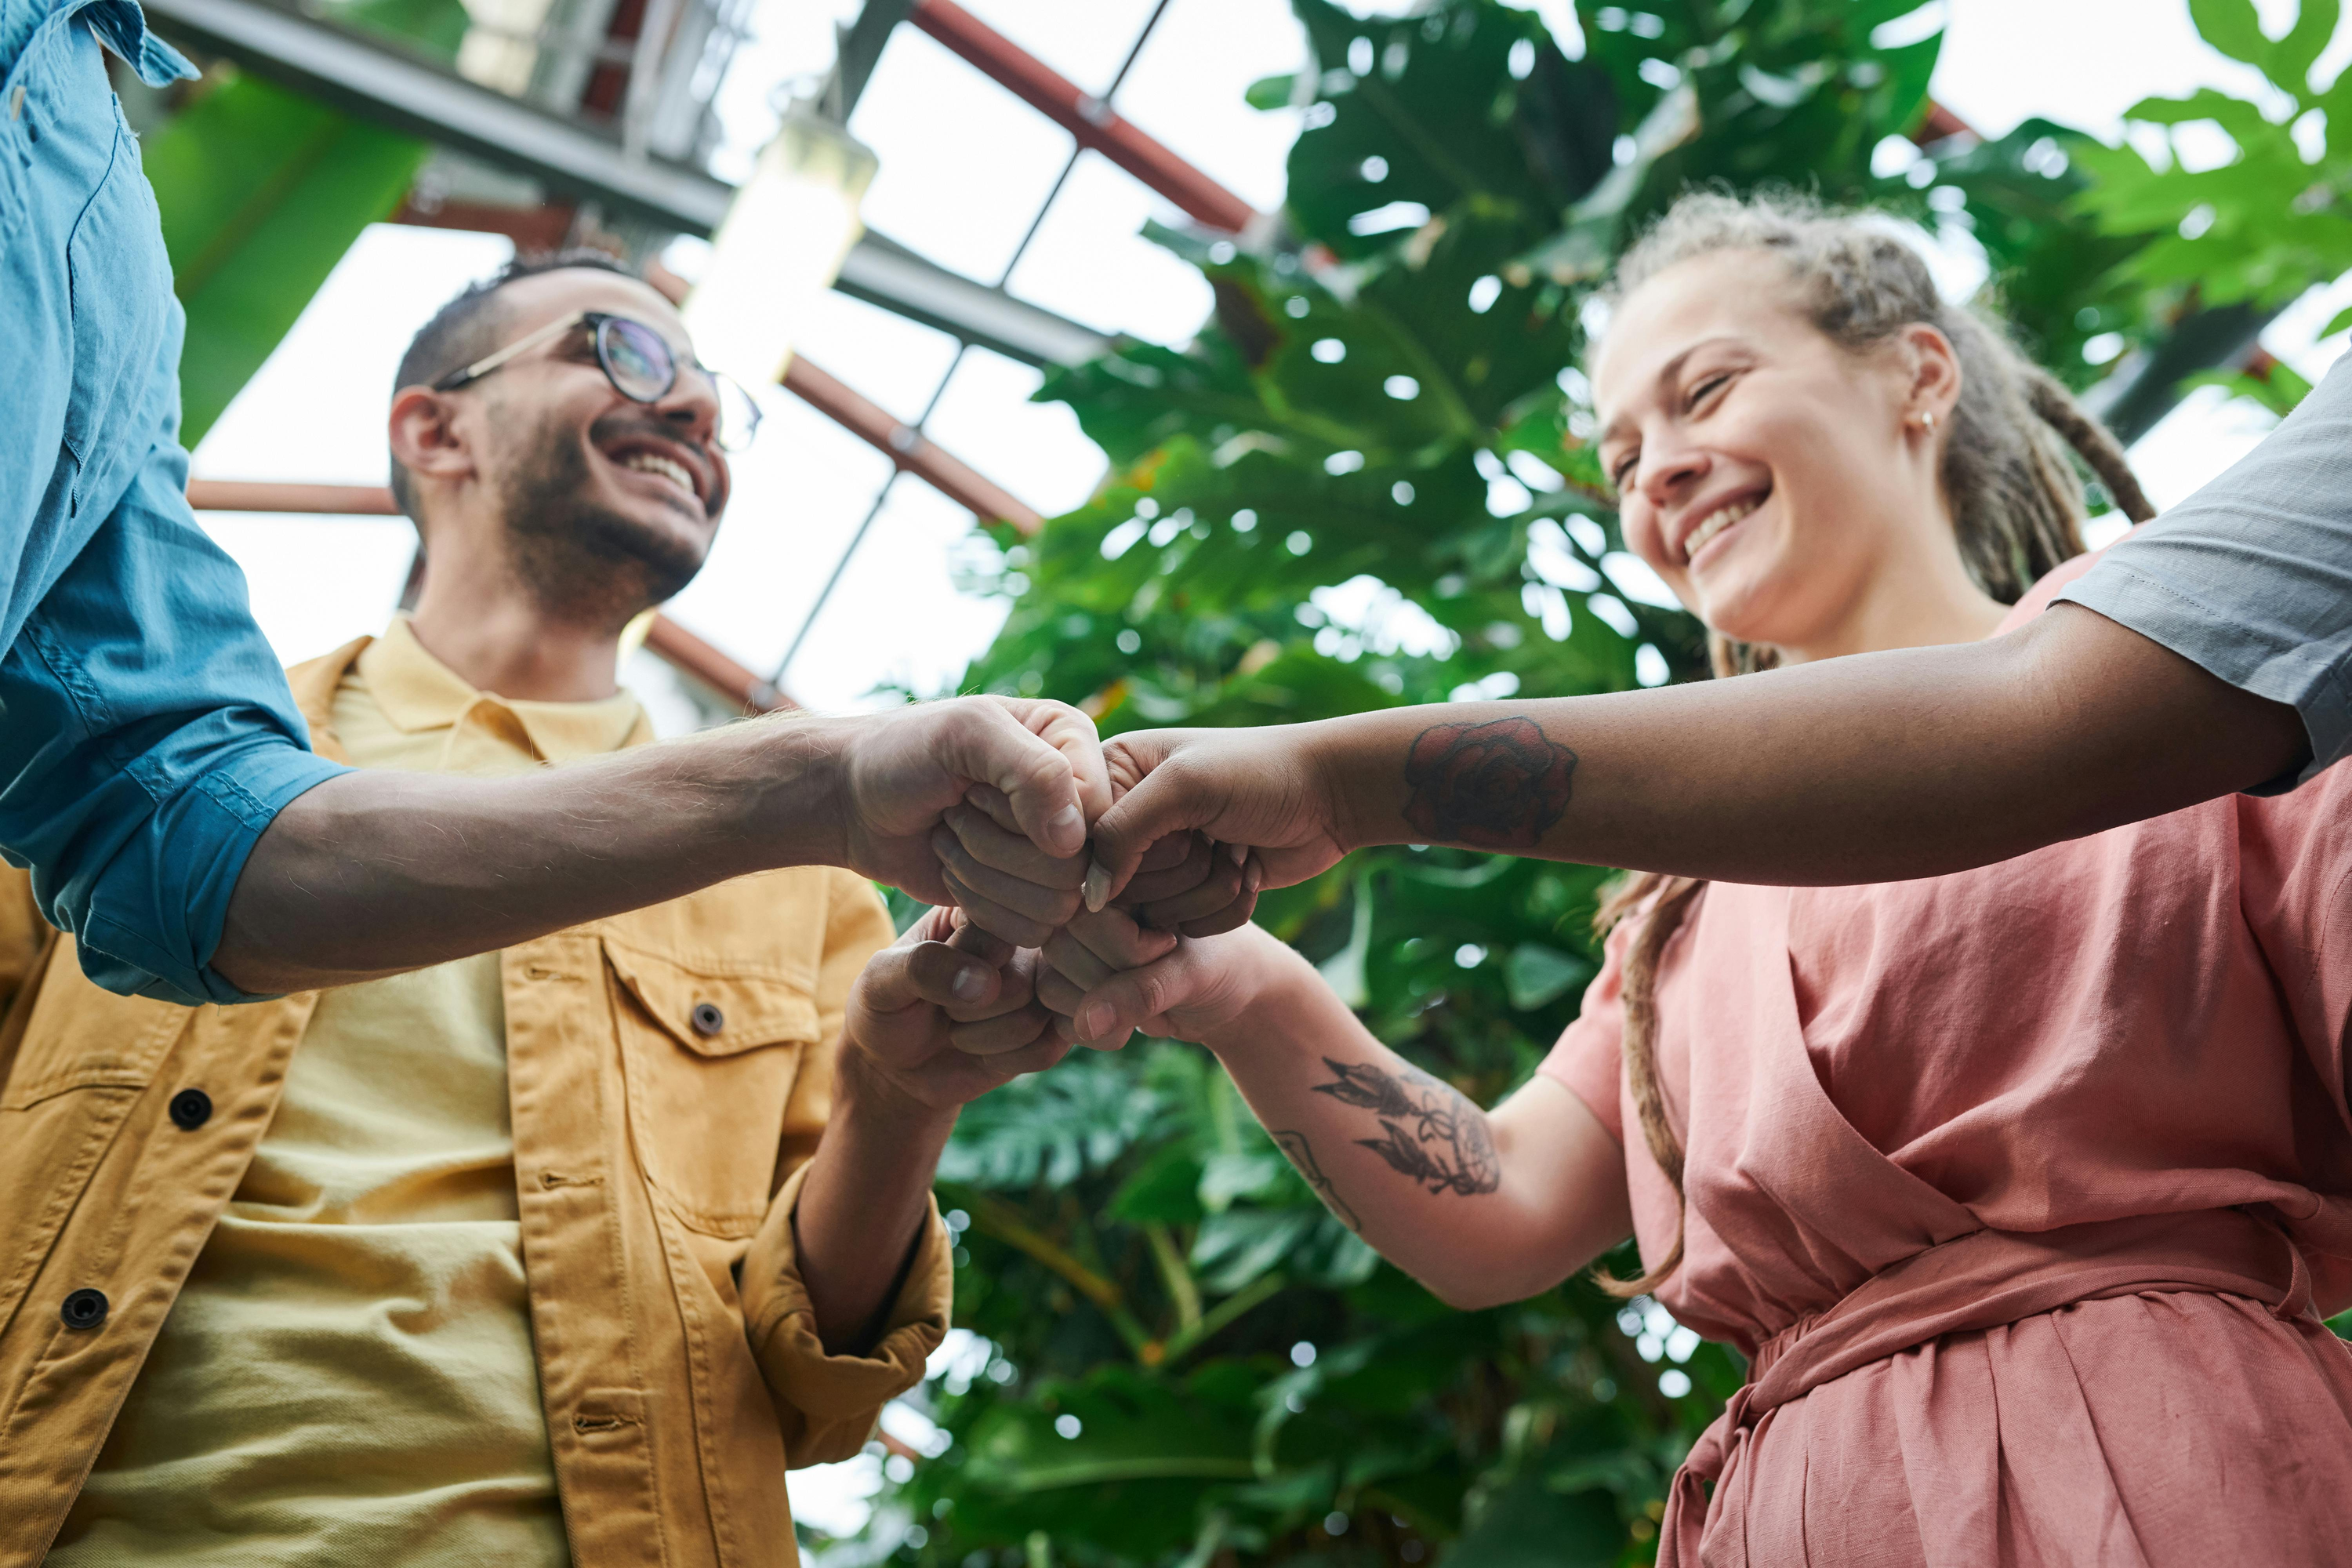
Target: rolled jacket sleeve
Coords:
[(149, 739), (829, 1403)]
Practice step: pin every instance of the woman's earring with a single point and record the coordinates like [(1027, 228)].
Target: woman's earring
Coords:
[(1927, 422)]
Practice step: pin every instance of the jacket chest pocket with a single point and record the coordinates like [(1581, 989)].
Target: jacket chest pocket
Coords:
[(709, 1060)]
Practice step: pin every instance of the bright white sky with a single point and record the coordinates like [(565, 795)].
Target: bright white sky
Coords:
[(964, 167)]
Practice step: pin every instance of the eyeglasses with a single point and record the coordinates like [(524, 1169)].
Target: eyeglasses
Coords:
[(638, 361)]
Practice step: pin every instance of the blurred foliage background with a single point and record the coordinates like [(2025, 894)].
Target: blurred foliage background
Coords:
[(1367, 483)]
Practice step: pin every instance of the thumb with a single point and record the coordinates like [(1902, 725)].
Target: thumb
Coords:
[(922, 974), (1132, 997), (987, 744), (1154, 806)]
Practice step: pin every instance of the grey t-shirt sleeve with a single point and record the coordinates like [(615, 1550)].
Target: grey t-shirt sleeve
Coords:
[(2251, 578)]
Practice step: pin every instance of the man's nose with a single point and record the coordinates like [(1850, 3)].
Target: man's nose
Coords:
[(693, 403)]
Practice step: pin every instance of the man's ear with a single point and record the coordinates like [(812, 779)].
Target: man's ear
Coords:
[(1934, 368), (425, 437)]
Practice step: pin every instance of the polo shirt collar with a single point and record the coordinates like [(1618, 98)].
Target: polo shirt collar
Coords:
[(416, 692)]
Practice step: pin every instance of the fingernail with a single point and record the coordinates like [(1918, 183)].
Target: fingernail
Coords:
[(1068, 818), (1095, 1021), (1253, 875), (1098, 888), (968, 984), (1240, 853)]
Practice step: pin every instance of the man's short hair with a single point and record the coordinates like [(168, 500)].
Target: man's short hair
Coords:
[(466, 328)]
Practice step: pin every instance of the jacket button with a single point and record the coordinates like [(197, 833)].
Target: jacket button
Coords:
[(708, 1019), (191, 1108), (84, 1308)]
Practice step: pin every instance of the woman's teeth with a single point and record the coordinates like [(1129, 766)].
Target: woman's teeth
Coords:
[(1715, 523), (649, 463)]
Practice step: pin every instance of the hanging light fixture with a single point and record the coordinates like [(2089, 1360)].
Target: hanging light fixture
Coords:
[(781, 244)]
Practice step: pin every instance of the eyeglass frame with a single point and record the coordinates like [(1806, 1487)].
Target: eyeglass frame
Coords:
[(597, 320)]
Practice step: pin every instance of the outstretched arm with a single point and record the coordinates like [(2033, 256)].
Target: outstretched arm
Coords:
[(1871, 768), (1483, 1207), (373, 873)]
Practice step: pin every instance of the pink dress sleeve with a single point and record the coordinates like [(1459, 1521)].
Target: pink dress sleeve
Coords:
[(2295, 891), (1588, 1060)]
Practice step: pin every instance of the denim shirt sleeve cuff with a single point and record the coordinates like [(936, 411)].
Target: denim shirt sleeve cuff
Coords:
[(211, 823)]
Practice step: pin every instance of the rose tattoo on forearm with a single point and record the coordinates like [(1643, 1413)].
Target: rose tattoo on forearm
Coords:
[(1497, 786), (1431, 1132)]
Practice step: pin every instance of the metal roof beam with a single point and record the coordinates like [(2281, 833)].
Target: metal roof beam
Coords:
[(1088, 118), (391, 89)]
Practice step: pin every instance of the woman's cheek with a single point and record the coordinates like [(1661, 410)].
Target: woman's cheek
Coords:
[(1644, 539)]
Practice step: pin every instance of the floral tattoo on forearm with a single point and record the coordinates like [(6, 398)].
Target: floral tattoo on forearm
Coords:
[(1430, 1130), (1302, 1156), (1497, 786)]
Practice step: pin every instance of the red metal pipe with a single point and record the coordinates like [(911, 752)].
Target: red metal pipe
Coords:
[(1083, 115), (907, 447), (871, 423), (668, 641)]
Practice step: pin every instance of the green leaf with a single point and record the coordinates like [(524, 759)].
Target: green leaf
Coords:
[(2292, 57), (1539, 974), (2233, 26), (1235, 1247)]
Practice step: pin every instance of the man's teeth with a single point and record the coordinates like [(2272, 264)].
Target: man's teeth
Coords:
[(1715, 523), (651, 463)]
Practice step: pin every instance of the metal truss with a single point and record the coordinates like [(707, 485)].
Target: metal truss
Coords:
[(379, 83)]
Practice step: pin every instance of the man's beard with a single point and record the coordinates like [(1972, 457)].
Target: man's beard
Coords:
[(585, 563)]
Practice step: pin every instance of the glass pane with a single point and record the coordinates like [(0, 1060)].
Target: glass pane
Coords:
[(1091, 262), (892, 361), (316, 583), (965, 165), (1187, 85), (799, 493), (1083, 39), (1033, 449), (897, 617), (315, 411)]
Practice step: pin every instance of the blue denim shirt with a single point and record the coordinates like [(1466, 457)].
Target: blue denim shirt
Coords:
[(146, 733)]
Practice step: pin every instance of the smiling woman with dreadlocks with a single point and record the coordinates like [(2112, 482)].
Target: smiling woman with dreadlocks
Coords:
[(2023, 1189)]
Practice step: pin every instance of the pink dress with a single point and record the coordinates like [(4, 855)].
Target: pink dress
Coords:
[(2024, 1190)]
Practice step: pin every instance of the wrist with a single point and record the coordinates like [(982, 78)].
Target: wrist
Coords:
[(1269, 979), (796, 805), (869, 1099), (1345, 759)]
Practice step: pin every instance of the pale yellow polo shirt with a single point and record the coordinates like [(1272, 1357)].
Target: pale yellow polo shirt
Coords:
[(347, 1376)]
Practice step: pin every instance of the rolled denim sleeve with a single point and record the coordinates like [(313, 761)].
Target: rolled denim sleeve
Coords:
[(149, 739), (2251, 578)]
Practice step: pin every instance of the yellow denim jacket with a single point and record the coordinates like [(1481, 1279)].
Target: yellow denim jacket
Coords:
[(656, 1165)]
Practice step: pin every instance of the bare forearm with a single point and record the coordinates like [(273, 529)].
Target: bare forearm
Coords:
[(1481, 1208), (863, 1206), (377, 872), (1871, 768)]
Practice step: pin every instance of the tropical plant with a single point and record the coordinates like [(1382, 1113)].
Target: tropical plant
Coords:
[(1368, 483)]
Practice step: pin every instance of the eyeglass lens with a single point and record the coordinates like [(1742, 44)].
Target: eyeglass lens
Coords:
[(636, 359), (641, 366)]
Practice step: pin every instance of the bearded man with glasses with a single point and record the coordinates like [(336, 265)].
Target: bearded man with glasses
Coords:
[(532, 1257)]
